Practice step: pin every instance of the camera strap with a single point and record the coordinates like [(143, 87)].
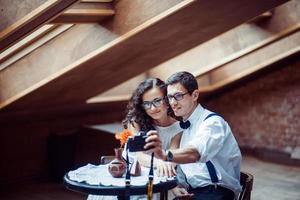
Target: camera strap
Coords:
[(127, 177), (150, 181)]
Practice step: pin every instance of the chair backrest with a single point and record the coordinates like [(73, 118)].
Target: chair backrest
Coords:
[(246, 181)]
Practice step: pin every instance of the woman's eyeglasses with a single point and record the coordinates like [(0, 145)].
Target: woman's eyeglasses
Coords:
[(176, 96), (156, 103)]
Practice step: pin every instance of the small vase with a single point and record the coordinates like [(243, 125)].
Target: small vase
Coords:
[(117, 166)]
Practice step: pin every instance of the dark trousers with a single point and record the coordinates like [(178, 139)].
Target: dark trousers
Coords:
[(211, 192)]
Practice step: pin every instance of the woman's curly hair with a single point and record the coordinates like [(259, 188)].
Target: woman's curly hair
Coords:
[(135, 113)]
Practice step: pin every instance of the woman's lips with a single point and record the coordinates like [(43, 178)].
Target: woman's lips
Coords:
[(154, 113)]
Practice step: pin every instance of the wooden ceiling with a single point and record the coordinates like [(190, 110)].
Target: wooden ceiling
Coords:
[(89, 59)]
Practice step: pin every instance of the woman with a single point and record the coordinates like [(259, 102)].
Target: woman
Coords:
[(148, 109)]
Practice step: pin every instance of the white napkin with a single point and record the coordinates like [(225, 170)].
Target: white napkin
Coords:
[(99, 175)]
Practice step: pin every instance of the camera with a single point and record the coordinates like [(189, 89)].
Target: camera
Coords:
[(137, 142)]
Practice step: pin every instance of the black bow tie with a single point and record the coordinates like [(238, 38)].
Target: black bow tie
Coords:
[(185, 125)]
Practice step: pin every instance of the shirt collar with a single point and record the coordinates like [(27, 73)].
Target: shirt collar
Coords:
[(196, 115)]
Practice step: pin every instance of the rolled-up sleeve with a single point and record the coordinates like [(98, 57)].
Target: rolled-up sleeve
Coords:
[(210, 138)]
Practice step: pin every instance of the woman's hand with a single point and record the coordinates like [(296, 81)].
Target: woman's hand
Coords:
[(154, 145), (165, 168)]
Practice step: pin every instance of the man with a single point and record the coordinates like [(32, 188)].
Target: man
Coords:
[(209, 156)]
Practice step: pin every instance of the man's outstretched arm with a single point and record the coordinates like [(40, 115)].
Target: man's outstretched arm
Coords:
[(180, 156)]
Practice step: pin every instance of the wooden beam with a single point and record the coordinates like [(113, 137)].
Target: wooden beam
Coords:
[(265, 16), (234, 44), (119, 93), (85, 13), (96, 1), (75, 16), (133, 52), (32, 21), (30, 43), (251, 63), (12, 11), (25, 42)]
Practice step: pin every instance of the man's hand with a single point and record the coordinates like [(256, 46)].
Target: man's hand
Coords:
[(165, 168), (181, 193), (153, 145)]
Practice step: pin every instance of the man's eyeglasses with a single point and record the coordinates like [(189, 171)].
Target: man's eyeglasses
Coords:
[(176, 96), (156, 103)]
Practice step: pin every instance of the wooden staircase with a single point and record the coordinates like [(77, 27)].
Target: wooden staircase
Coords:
[(230, 57), (83, 60)]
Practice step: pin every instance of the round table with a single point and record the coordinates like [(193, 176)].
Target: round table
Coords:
[(119, 191)]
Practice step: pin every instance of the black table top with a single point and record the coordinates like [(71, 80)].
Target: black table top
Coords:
[(116, 190)]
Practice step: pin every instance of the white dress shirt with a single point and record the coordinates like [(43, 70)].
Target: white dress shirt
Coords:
[(215, 142)]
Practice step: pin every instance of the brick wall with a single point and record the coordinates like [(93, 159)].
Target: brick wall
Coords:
[(264, 110)]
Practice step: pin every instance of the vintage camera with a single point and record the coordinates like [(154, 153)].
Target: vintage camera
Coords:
[(137, 142)]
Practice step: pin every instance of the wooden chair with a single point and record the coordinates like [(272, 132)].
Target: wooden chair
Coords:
[(246, 181)]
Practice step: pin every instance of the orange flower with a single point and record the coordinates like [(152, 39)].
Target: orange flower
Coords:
[(123, 136)]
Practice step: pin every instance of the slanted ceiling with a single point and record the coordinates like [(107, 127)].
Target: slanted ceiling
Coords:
[(139, 37), (231, 56)]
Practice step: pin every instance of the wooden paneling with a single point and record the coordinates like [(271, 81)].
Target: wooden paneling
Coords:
[(133, 52), (32, 21)]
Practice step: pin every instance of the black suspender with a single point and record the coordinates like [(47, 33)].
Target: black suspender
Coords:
[(211, 168), (212, 114), (212, 172)]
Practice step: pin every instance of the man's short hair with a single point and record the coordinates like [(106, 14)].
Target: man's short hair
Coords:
[(186, 79)]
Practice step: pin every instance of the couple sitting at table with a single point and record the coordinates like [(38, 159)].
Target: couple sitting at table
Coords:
[(202, 144)]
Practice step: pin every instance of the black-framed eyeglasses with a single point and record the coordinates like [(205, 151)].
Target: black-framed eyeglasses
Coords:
[(177, 96), (156, 103)]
